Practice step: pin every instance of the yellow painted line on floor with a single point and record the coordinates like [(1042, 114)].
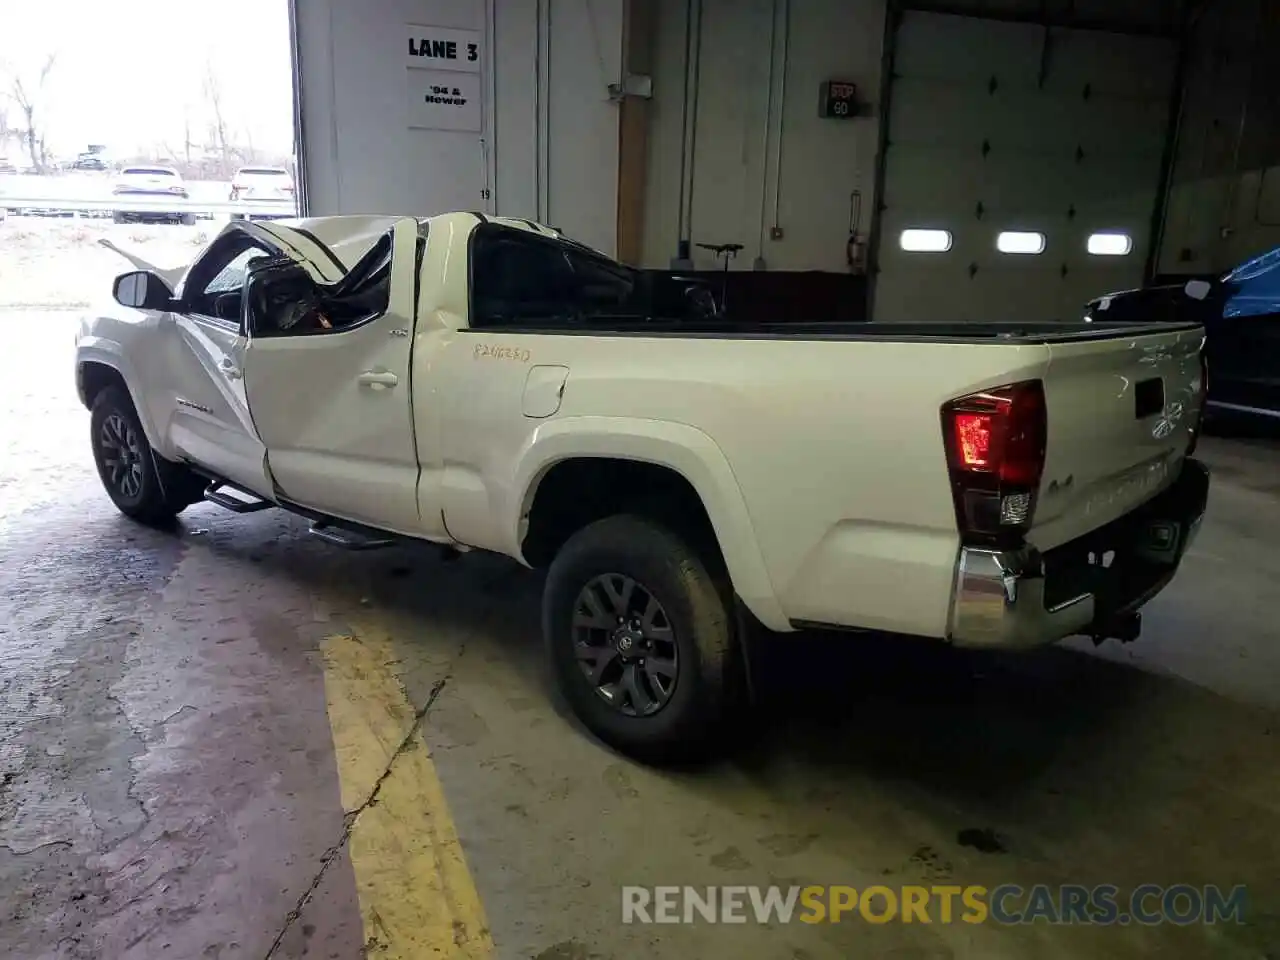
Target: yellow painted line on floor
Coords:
[(417, 898)]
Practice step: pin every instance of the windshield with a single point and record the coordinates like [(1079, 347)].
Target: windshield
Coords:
[(263, 172), (149, 172)]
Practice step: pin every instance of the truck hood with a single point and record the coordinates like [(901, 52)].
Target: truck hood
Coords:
[(327, 246), (170, 275)]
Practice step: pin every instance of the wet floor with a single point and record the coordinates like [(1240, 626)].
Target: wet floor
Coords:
[(230, 740)]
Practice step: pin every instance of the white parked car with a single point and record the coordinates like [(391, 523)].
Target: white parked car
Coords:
[(484, 383), (270, 188), (143, 191)]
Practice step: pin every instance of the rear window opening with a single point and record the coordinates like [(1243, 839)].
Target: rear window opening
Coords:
[(264, 172), (925, 240), (150, 171)]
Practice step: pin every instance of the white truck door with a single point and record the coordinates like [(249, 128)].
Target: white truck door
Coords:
[(334, 405), (198, 398)]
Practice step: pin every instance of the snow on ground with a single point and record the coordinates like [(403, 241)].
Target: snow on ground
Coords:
[(51, 263)]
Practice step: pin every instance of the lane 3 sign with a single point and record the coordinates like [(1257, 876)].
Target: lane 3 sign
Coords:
[(443, 76), (442, 48)]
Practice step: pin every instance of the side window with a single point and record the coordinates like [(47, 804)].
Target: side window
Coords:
[(603, 288), (518, 280), (521, 280), (221, 296), (285, 301)]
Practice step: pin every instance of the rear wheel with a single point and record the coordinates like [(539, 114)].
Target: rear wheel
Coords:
[(641, 640), (143, 486)]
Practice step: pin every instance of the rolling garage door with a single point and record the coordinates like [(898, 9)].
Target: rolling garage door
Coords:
[(1019, 175)]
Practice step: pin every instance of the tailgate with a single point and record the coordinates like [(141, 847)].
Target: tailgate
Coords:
[(1121, 415)]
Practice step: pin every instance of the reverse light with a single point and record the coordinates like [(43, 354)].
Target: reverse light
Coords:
[(995, 442)]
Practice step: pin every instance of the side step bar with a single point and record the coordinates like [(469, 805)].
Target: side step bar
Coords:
[(346, 539), (215, 493), (233, 498)]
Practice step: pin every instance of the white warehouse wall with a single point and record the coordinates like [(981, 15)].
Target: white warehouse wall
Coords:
[(737, 179), (547, 59)]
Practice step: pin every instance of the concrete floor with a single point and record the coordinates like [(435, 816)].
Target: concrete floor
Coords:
[(231, 741)]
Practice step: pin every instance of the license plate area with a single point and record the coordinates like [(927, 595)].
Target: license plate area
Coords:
[(1125, 560)]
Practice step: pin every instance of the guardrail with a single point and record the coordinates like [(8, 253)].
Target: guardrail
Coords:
[(127, 204)]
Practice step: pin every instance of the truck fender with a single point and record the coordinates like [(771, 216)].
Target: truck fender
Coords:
[(679, 447), (108, 353)]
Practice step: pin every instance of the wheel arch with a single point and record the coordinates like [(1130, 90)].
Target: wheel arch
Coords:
[(98, 369), (682, 459)]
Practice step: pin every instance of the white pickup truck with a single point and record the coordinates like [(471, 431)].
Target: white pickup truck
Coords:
[(485, 383)]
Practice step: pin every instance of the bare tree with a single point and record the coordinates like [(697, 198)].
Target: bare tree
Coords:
[(217, 120), (29, 96)]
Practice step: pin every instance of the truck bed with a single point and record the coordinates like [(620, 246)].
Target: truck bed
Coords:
[(907, 332)]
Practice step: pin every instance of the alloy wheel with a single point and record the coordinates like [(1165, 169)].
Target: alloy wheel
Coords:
[(122, 455), (625, 644)]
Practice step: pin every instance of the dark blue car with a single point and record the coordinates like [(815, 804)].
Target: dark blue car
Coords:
[(1241, 316)]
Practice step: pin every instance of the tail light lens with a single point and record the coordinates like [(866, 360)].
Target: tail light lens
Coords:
[(995, 443)]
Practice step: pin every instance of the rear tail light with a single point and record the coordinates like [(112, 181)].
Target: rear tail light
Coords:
[(995, 444)]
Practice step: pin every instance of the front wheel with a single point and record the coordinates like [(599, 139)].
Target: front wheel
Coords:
[(641, 640), (143, 486)]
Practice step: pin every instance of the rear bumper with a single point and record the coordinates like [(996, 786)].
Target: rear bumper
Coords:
[(1022, 598)]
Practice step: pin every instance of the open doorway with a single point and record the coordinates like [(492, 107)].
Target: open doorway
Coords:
[(139, 115)]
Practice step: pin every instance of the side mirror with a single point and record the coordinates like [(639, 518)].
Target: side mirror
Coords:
[(1197, 289), (142, 290)]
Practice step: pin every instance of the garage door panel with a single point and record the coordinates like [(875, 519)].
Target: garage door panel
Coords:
[(955, 48), (1116, 127), (1055, 159), (1007, 191), (1119, 185), (929, 112), (948, 181), (937, 292), (1110, 64)]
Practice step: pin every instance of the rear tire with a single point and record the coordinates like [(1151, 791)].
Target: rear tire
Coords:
[(660, 685), (143, 486)]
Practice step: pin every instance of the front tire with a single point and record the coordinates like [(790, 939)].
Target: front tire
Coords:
[(143, 487), (641, 640)]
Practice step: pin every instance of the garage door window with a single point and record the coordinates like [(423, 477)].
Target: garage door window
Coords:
[(1110, 244), (1023, 242), (920, 240)]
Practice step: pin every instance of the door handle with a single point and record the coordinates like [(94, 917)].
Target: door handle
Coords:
[(229, 369), (377, 379)]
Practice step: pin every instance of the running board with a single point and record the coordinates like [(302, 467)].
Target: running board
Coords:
[(214, 493), (346, 539)]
